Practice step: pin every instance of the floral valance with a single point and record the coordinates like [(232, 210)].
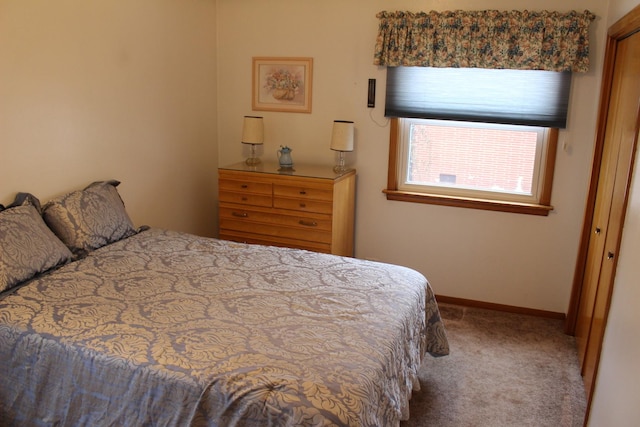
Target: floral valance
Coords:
[(523, 40)]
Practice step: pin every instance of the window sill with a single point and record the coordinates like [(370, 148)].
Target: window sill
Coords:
[(484, 204)]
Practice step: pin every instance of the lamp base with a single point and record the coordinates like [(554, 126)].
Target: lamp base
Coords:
[(252, 161), (340, 167)]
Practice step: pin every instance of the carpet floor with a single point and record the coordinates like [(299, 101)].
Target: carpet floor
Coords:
[(504, 370)]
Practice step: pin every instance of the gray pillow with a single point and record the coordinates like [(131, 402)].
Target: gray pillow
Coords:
[(27, 246), (88, 219)]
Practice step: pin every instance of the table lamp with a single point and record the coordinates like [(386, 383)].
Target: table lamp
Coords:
[(253, 134), (341, 141)]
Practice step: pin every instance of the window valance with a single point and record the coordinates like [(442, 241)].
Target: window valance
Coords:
[(524, 40)]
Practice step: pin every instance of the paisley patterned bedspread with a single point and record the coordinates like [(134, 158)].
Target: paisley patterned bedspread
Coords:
[(166, 328)]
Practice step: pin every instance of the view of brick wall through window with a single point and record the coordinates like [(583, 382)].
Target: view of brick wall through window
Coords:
[(484, 159)]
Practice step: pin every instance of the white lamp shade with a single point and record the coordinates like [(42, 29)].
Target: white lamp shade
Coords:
[(342, 135), (252, 130)]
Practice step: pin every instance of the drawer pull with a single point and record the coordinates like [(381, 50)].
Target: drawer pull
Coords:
[(303, 192), (244, 199), (244, 186), (240, 214), (308, 223), (303, 205)]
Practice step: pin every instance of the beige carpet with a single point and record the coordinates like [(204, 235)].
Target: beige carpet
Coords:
[(504, 370)]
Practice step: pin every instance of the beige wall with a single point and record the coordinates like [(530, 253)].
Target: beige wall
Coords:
[(502, 258), (615, 401), (112, 89)]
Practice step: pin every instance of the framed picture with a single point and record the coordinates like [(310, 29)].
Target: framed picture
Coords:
[(282, 84)]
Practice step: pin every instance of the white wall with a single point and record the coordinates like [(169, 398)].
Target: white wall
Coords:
[(112, 89), (615, 400), (511, 259)]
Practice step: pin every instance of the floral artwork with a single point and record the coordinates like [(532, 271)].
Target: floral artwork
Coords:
[(282, 84)]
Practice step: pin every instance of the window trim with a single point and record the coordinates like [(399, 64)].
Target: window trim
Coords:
[(542, 208)]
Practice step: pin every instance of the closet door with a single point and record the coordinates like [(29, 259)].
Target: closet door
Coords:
[(618, 147)]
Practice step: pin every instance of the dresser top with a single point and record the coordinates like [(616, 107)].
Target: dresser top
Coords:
[(299, 169)]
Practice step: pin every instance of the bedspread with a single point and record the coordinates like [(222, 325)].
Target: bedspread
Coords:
[(167, 328)]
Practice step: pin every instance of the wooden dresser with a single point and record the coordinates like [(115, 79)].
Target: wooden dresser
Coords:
[(310, 207)]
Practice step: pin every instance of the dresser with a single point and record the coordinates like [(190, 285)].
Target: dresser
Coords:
[(310, 207)]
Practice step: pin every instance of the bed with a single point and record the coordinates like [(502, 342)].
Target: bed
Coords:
[(105, 324)]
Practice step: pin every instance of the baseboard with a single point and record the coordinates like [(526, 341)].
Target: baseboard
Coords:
[(500, 307)]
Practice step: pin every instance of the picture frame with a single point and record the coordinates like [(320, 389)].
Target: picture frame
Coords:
[(282, 84)]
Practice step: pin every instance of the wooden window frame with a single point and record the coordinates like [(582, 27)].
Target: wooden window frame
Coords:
[(542, 208)]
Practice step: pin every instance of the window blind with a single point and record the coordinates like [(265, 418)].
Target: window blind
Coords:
[(520, 97)]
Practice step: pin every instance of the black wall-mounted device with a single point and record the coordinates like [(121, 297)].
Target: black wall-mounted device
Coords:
[(371, 94)]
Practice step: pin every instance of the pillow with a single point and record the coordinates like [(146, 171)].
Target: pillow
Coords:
[(26, 199), (88, 219), (27, 246)]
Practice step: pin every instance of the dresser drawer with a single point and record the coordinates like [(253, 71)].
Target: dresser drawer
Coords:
[(302, 222), (301, 192), (311, 234), (245, 198), (247, 186), (303, 205)]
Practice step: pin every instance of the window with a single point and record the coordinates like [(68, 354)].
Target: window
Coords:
[(487, 165), (484, 139)]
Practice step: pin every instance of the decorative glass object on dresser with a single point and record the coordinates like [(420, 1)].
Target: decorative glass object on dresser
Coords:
[(307, 207)]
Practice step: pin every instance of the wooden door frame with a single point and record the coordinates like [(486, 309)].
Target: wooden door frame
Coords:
[(623, 28)]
